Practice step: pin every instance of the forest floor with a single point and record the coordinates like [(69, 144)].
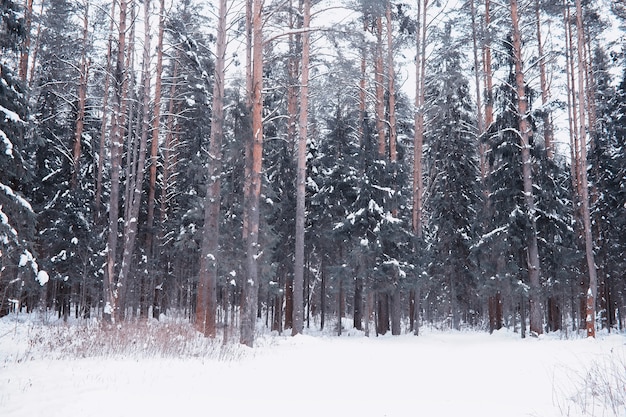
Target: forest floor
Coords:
[(155, 369)]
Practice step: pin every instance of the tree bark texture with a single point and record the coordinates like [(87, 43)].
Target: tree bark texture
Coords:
[(298, 282), (154, 146), (135, 172), (25, 54), (207, 278), (82, 98), (534, 270), (584, 186), (548, 130), (380, 88), (418, 139), (253, 189), (117, 136), (105, 108)]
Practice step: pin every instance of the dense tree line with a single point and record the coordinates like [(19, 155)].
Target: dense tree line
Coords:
[(245, 162)]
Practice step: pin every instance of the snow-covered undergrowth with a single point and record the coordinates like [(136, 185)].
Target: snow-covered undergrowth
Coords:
[(165, 369), (36, 339)]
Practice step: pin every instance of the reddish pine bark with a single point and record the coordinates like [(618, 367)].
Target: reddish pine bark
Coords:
[(207, 278), (135, 172), (548, 131), (524, 133), (24, 56), (82, 98), (154, 146), (584, 186), (379, 88), (110, 286)]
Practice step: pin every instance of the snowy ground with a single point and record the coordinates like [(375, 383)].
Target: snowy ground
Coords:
[(435, 374)]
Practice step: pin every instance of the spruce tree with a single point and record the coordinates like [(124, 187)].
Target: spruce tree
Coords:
[(501, 250), (335, 171), (17, 218), (453, 196), (66, 237)]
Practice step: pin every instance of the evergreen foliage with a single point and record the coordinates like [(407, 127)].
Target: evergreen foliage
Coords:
[(453, 196), (17, 218), (362, 258)]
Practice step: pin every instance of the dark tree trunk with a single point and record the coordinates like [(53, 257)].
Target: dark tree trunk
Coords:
[(289, 301), (382, 322), (554, 314), (396, 311), (358, 303), (323, 297)]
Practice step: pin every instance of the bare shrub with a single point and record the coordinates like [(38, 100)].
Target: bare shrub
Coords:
[(132, 339), (598, 390)]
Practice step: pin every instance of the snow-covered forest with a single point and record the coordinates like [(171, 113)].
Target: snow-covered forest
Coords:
[(385, 165)]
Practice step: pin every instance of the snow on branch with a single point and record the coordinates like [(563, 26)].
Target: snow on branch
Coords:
[(7, 143), (11, 115), (21, 200)]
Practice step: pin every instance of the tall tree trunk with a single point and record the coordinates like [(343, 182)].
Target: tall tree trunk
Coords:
[(117, 136), (571, 105), (524, 133), (133, 125), (292, 132), (391, 82), (548, 131), (82, 98), (479, 106), (487, 68), (396, 308), (380, 89), (24, 56), (249, 99), (154, 146), (105, 109), (35, 48), (418, 139), (170, 149), (207, 277), (584, 186), (298, 281), (362, 87), (252, 197), (134, 182), (488, 95)]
